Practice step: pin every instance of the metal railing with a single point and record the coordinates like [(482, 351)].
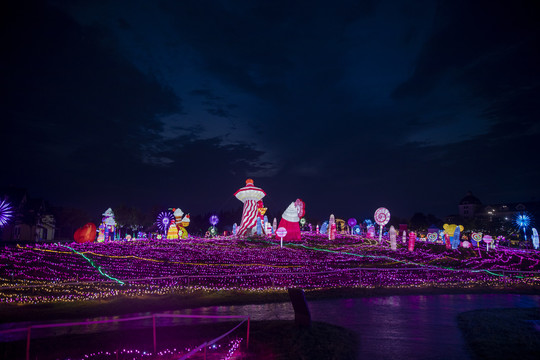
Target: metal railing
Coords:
[(204, 345)]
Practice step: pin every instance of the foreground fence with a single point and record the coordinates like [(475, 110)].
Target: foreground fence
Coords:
[(197, 349)]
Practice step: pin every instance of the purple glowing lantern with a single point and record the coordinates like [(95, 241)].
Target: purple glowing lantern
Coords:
[(164, 220), (351, 222), (214, 220)]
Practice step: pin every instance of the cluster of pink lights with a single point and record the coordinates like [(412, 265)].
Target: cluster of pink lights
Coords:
[(54, 272), (228, 351)]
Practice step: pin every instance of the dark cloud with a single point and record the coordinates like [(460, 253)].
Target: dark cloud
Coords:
[(349, 105)]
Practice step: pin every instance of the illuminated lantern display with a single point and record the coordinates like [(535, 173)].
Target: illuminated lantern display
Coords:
[(317, 229), (523, 221), (107, 228), (392, 233), (412, 240), (234, 229), (85, 234), (163, 221), (466, 244), (488, 239), (476, 237), (184, 223), (455, 241), (172, 233), (403, 231), (382, 217), (214, 220), (181, 222), (447, 241), (352, 223), (274, 226), (212, 231), (332, 229), (268, 228), (432, 236), (324, 227), (371, 232), (261, 209), (302, 223), (259, 226), (249, 195), (357, 230), (535, 238), (178, 213), (450, 229), (6, 212), (281, 232), (290, 220)]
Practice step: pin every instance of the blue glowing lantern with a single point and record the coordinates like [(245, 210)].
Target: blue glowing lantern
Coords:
[(523, 221), (324, 228)]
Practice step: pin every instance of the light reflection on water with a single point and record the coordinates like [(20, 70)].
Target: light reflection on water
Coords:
[(415, 326)]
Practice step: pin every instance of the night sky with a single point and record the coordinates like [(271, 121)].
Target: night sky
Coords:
[(348, 105)]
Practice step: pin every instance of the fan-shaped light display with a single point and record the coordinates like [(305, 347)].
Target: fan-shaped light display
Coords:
[(164, 220), (523, 221), (6, 212)]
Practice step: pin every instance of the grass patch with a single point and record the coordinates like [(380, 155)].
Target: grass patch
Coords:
[(501, 333)]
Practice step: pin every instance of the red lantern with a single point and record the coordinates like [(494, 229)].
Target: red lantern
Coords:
[(85, 234)]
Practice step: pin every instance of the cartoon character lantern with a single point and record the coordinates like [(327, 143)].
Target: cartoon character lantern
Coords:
[(181, 223), (290, 220), (249, 195), (107, 228)]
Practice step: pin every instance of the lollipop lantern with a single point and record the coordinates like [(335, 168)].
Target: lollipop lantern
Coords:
[(382, 217), (488, 240), (281, 232), (476, 238)]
